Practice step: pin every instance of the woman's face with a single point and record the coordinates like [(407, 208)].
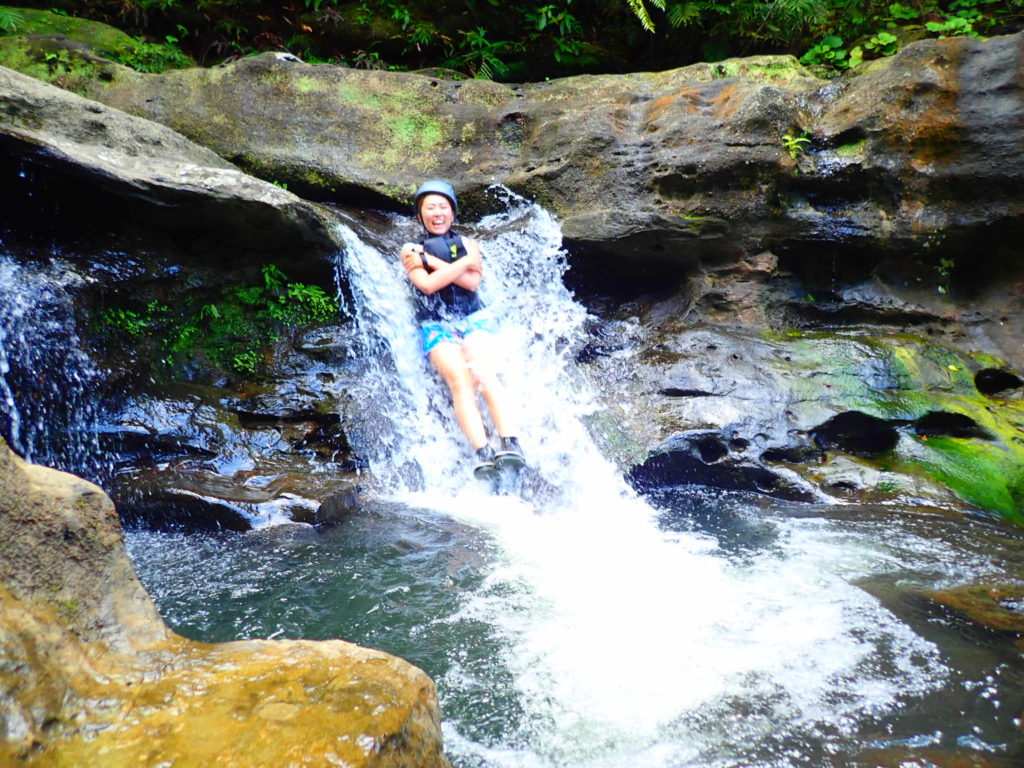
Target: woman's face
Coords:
[(436, 214)]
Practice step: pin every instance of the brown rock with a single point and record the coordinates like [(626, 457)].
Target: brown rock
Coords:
[(994, 606), (90, 675)]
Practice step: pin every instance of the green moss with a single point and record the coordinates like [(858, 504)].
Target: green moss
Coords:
[(901, 378), (100, 39), (852, 149), (350, 94), (308, 85), (316, 179), (409, 135), (58, 66), (778, 70)]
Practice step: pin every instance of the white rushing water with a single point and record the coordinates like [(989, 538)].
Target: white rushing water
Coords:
[(51, 418), (623, 644)]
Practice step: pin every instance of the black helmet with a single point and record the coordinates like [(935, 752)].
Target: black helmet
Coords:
[(436, 187)]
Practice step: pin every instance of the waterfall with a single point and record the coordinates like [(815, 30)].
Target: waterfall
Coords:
[(47, 381), (416, 443), (620, 643)]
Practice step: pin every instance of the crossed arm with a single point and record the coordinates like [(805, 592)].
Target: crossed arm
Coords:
[(465, 272)]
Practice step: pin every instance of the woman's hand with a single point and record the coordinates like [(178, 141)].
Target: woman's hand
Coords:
[(465, 272), (412, 257)]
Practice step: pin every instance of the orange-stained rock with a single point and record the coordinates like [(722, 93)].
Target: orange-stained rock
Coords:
[(994, 606), (91, 676)]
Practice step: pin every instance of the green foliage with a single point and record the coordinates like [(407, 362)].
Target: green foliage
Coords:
[(478, 55), (642, 14), (130, 323), (154, 57), (953, 26), (532, 39), (944, 269), (900, 11), (829, 51), (795, 145), (230, 331), (880, 29), (10, 18)]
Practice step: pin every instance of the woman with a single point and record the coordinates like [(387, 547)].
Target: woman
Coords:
[(457, 330)]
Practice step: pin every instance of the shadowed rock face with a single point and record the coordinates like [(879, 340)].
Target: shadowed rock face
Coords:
[(91, 676)]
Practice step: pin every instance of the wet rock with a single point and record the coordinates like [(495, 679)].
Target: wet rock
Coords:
[(92, 676), (945, 424), (902, 410), (906, 757), (338, 507), (158, 174), (858, 433), (993, 381), (206, 458), (702, 459), (998, 607)]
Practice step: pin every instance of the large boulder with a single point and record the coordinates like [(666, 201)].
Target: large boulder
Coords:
[(89, 674), (674, 165), (155, 173)]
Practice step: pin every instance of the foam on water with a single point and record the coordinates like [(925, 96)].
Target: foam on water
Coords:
[(623, 644)]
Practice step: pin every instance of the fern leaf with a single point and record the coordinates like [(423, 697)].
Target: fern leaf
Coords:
[(640, 11), (10, 19), (683, 14)]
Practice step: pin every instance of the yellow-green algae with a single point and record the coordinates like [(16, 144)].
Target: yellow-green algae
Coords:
[(852, 149), (900, 378), (411, 135)]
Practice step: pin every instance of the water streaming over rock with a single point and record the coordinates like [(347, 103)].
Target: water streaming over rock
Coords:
[(581, 625), (48, 382)]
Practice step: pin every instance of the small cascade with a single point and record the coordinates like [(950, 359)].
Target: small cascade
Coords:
[(47, 382), (413, 438), (620, 643)]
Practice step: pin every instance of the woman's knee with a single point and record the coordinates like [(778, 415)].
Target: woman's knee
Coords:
[(460, 380), (488, 383)]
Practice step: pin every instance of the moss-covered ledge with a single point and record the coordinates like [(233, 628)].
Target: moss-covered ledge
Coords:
[(90, 675)]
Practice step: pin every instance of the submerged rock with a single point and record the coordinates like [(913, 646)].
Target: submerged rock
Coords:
[(91, 675), (200, 457), (997, 607)]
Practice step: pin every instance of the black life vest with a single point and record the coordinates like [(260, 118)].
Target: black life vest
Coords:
[(453, 302)]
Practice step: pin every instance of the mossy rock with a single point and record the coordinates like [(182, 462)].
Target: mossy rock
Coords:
[(93, 37), (53, 61), (948, 431)]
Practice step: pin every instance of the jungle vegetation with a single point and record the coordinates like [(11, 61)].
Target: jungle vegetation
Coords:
[(527, 40)]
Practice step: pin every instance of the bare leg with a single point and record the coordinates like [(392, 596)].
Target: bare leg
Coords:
[(448, 359), (478, 350)]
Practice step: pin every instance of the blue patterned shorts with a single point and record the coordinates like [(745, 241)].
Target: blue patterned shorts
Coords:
[(434, 332)]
